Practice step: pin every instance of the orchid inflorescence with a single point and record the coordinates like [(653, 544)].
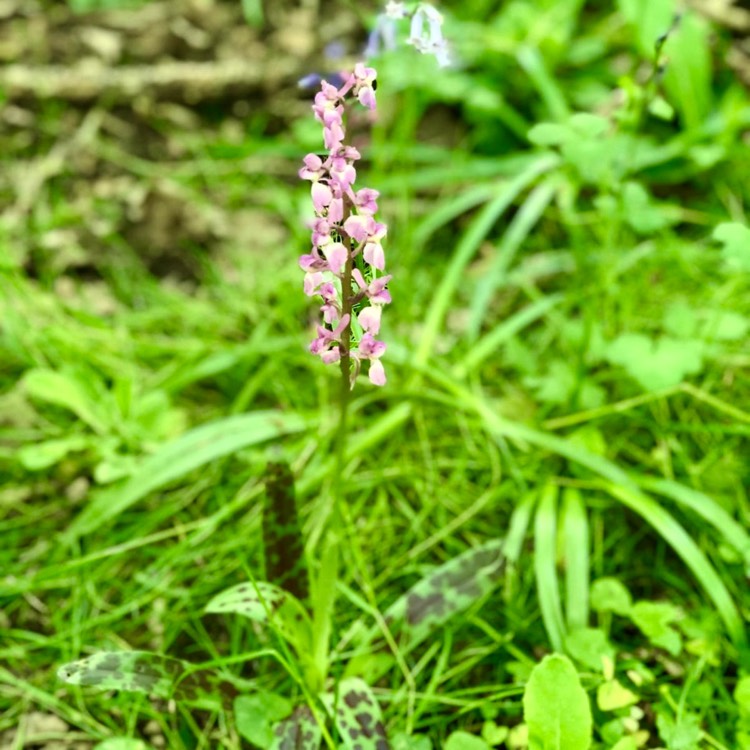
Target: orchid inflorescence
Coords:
[(346, 264)]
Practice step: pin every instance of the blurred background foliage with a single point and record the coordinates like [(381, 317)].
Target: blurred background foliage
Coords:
[(567, 211)]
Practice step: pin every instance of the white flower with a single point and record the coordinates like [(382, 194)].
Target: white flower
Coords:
[(429, 40), (394, 9)]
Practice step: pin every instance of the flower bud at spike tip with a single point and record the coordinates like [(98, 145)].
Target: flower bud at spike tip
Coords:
[(346, 238)]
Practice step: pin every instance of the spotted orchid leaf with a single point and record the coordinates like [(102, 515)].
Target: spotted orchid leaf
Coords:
[(282, 536), (300, 731), (133, 671), (268, 604), (257, 714), (358, 718), (445, 592)]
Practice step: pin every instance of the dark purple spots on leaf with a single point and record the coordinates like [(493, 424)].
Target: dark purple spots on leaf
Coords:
[(299, 731), (282, 536), (109, 663), (353, 698), (418, 608)]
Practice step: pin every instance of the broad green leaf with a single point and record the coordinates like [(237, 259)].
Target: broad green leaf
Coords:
[(680, 320), (736, 240), (742, 695), (402, 741), (726, 325), (518, 737), (610, 595), (445, 592), (156, 416), (681, 734), (550, 134), (656, 364), (65, 390), (464, 741), (589, 646), (132, 671), (114, 466), (589, 125), (265, 603), (611, 696), (687, 79), (654, 619), (122, 743), (256, 715), (640, 212), (282, 536), (557, 384), (493, 734), (593, 158), (38, 456), (556, 707), (179, 457), (300, 731), (358, 720)]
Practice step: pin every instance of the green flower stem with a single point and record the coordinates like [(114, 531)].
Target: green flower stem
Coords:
[(327, 578)]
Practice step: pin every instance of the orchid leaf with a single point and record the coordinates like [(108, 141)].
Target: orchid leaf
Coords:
[(132, 671), (257, 715), (266, 603), (300, 731), (282, 536), (447, 591), (358, 717)]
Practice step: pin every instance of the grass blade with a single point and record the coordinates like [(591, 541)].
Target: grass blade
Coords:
[(181, 456), (682, 543), (576, 540), (523, 222), (708, 509), (492, 341), (469, 244), (545, 554), (621, 485)]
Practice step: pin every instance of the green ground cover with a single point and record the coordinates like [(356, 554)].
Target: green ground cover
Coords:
[(567, 406)]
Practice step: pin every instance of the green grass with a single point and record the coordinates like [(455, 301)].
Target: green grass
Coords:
[(568, 371)]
